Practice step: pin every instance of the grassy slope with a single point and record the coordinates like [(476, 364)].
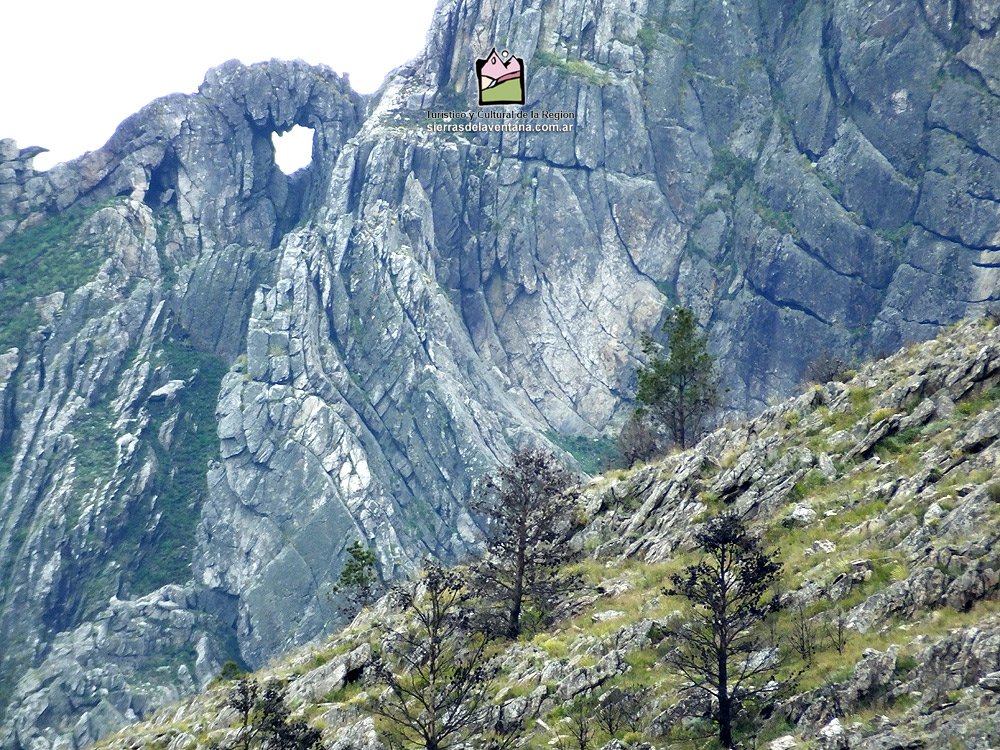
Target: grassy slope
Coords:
[(622, 591)]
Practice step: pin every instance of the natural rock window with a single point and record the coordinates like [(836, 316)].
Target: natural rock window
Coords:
[(293, 150)]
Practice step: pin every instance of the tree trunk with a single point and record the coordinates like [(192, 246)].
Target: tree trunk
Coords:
[(725, 706), (517, 595), (514, 623)]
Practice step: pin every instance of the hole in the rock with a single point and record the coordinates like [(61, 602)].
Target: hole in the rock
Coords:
[(293, 150), (163, 181)]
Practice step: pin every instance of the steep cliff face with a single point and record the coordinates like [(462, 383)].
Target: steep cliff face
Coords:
[(807, 175), (240, 372)]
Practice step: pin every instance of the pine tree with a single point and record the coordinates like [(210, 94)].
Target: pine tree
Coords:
[(679, 388), (358, 578), (721, 648)]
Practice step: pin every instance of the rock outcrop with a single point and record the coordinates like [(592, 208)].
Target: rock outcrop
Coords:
[(360, 340)]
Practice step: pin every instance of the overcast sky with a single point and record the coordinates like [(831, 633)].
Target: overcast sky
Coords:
[(71, 70)]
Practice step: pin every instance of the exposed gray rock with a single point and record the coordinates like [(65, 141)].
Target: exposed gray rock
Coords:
[(134, 657), (333, 675), (360, 736), (610, 614), (802, 515), (807, 177), (168, 391), (832, 736), (990, 682), (9, 362), (821, 547), (934, 513), (92, 509)]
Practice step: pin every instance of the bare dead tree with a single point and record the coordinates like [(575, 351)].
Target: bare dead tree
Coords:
[(637, 441), (436, 669), (621, 708), (837, 630), (825, 367), (527, 507), (804, 636), (579, 727)]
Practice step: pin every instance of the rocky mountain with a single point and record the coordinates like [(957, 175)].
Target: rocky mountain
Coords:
[(214, 376), (881, 494)]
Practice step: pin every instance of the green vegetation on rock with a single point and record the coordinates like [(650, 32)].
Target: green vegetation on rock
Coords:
[(731, 169), (572, 68), (181, 485), (38, 261), (94, 440), (595, 455)]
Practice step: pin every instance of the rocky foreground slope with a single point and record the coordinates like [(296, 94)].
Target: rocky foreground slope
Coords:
[(214, 376), (883, 495)]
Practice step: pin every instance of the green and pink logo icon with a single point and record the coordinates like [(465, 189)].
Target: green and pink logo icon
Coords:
[(501, 78)]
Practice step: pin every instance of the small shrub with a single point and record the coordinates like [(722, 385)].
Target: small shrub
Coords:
[(572, 68), (976, 404), (824, 368), (881, 414), (231, 671), (900, 442), (860, 399), (905, 664), (708, 497), (780, 220), (732, 169), (632, 738), (728, 459), (811, 482), (648, 37)]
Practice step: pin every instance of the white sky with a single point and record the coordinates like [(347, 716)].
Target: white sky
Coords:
[(71, 70)]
